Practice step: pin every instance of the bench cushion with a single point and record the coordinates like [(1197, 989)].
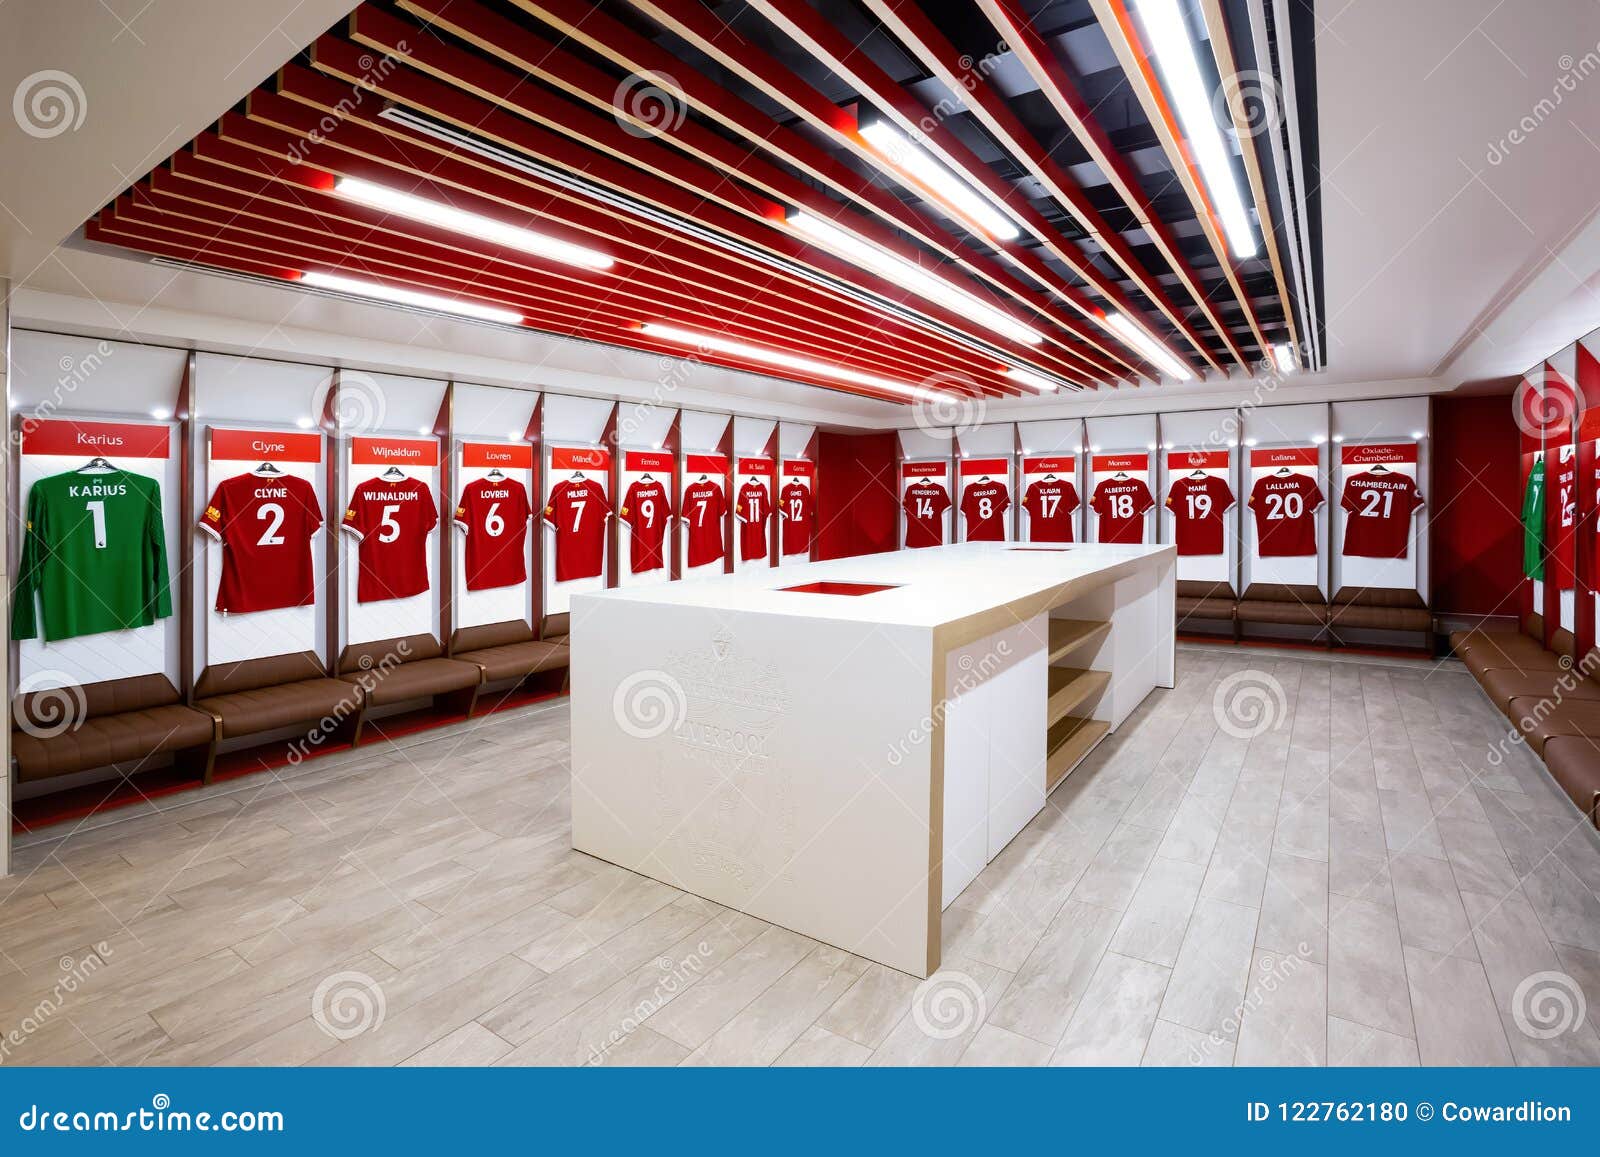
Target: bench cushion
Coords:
[(1287, 613), (285, 705), (1218, 609), (418, 680), (1381, 618), (515, 660), (1574, 763), (108, 739), (1503, 685), (1480, 660), (1540, 720)]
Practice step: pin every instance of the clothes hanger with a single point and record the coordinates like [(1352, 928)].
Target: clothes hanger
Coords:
[(97, 466), (1198, 473), (1049, 477), (1380, 468), (1283, 471), (494, 476), (267, 469), (393, 472), (1120, 474)]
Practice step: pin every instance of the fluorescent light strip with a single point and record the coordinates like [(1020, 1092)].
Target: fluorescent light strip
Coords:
[(410, 297), (903, 273), (1137, 338), (774, 357), (946, 184), (1175, 53), (1032, 380), (1283, 356), (475, 225)]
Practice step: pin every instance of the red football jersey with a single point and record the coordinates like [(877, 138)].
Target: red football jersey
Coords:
[(925, 503), (1380, 506), (392, 518), (1561, 499), (265, 524), (1285, 507), (577, 508), (794, 503), (704, 505), (983, 504), (755, 507), (1197, 506), (1050, 505), (646, 509), (495, 516), (1121, 504)]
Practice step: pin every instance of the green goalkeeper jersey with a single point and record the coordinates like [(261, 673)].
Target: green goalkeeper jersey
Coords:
[(95, 554), (1533, 523)]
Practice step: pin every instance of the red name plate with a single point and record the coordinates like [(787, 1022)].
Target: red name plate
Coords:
[(506, 455), (264, 446), (761, 466), (1106, 463), (659, 461), (579, 458), (705, 463), (972, 467), (110, 439), (1285, 456), (924, 469), (799, 468), (1056, 465), (394, 451), (1197, 460), (1373, 453)]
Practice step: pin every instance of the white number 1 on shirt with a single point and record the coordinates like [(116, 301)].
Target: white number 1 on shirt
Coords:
[(97, 512)]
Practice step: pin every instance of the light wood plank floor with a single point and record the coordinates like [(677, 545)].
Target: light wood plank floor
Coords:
[(1376, 877)]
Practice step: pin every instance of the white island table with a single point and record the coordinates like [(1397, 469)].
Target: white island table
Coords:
[(843, 761)]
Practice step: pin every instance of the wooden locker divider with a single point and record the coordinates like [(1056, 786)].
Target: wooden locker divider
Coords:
[(613, 536), (534, 436), (672, 444), (334, 468), (1587, 423), (1555, 437), (730, 529), (774, 520), (188, 434), (444, 551)]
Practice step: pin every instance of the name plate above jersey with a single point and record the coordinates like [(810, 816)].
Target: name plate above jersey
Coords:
[(799, 468), (506, 455), (974, 467), (1285, 456), (763, 466), (1373, 453), (1057, 464), (1198, 460), (107, 439), (644, 461), (579, 458), (1107, 463), (394, 451), (264, 446), (939, 469)]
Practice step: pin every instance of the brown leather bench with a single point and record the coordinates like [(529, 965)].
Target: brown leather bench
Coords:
[(116, 721), (1574, 763), (508, 651), (254, 696), (556, 628), (1379, 609), (1202, 599), (1283, 604), (412, 667)]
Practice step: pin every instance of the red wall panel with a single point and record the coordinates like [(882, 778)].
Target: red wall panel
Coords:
[(858, 506), (1476, 503)]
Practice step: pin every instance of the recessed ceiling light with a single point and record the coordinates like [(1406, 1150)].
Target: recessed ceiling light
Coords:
[(1176, 56), (476, 225), (1338, 437), (1249, 441), (1030, 379), (1140, 341), (911, 277), (160, 414), (951, 190), (1417, 435), (414, 298), (1283, 357), (1319, 439), (304, 422), (768, 356)]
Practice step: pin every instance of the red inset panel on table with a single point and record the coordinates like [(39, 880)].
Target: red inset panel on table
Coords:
[(839, 588)]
